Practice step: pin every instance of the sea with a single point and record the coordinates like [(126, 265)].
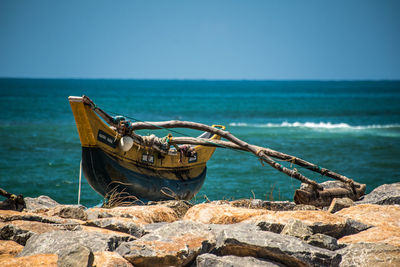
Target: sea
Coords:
[(350, 127)]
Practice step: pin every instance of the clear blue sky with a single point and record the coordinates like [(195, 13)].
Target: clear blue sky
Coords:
[(216, 39)]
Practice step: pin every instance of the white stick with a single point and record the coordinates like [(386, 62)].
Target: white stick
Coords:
[(80, 182)]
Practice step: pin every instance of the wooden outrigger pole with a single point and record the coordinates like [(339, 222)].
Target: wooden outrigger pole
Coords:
[(315, 194)]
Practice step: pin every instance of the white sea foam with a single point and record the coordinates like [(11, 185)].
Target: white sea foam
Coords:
[(319, 125)]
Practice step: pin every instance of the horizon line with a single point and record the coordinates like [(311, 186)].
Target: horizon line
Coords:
[(205, 79)]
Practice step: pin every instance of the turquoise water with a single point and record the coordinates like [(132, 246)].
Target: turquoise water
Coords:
[(349, 127)]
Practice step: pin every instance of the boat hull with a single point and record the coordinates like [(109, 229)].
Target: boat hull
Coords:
[(104, 174)]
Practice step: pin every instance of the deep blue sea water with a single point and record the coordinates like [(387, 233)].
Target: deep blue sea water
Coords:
[(351, 127)]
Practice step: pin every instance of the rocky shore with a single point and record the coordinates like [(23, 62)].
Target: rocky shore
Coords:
[(248, 232)]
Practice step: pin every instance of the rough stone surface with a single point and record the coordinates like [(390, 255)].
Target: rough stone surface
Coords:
[(381, 234), (54, 242), (138, 214), (387, 194), (367, 254), (353, 227), (40, 260), (270, 226), (174, 244), (75, 256), (319, 221), (207, 260), (68, 212), (262, 204), (110, 259), (118, 224), (371, 214), (221, 214), (37, 216), (42, 202), (305, 207), (287, 250), (151, 227), (38, 227), (9, 249), (297, 229), (11, 232), (179, 206), (323, 241), (339, 204)]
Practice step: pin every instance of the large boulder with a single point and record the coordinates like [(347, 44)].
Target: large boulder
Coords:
[(77, 255), (9, 249), (339, 204), (287, 250), (176, 244), (118, 224), (138, 214), (387, 194), (54, 242), (38, 203), (206, 260), (11, 232), (221, 214), (371, 214), (39, 260), (110, 259), (368, 254), (179, 206), (380, 234), (262, 204), (319, 221), (68, 212), (323, 241)]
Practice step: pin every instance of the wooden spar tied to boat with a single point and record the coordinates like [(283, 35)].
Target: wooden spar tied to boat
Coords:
[(116, 159), (139, 171)]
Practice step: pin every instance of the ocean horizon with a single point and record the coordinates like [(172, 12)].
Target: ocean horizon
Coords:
[(350, 127)]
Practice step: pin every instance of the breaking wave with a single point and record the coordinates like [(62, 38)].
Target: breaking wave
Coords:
[(314, 125)]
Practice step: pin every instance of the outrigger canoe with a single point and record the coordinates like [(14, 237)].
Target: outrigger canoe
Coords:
[(137, 171)]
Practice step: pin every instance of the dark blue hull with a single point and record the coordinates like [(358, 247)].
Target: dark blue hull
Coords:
[(104, 174)]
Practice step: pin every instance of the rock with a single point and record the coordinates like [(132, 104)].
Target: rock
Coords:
[(109, 259), (305, 207), (9, 216), (262, 204), (149, 228), (176, 244), (118, 224), (75, 256), (39, 227), (270, 226), (319, 221), (387, 194), (297, 229), (323, 241), (9, 249), (10, 232), (68, 212), (206, 260), (381, 234), (353, 227), (54, 242), (367, 254), (287, 250), (42, 202), (371, 214), (340, 203), (179, 206), (138, 214), (221, 214), (40, 260)]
